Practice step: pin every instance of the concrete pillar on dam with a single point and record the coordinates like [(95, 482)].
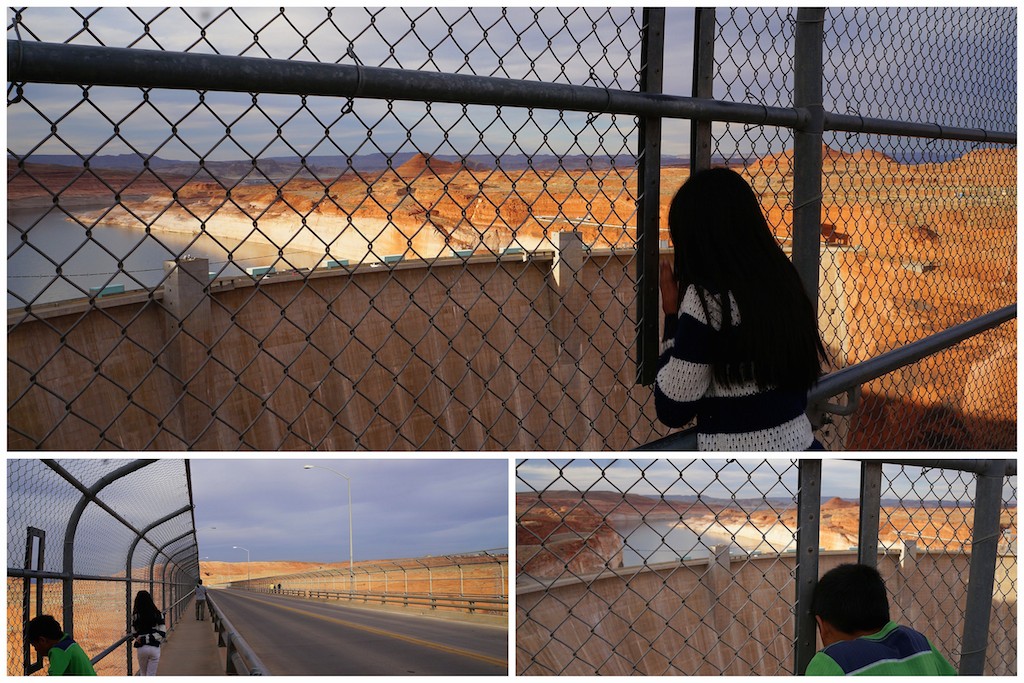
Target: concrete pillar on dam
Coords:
[(572, 324), (188, 329), (567, 268)]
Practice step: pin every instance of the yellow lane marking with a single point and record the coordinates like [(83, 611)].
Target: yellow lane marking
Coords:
[(496, 661)]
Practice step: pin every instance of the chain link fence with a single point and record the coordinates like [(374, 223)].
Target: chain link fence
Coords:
[(433, 228), (689, 567), (475, 582), (83, 537)]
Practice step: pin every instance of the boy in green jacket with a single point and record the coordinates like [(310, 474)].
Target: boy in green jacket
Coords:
[(67, 658), (852, 611)]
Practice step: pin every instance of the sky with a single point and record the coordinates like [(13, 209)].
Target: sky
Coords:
[(918, 73), (742, 477), (400, 507)]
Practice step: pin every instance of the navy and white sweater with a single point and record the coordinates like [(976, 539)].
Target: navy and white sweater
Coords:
[(742, 417), (154, 635)]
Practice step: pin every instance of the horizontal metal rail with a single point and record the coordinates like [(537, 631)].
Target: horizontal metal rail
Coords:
[(860, 124), (469, 603), (843, 380), (992, 468), (60, 576), (39, 62), (241, 660), (124, 639)]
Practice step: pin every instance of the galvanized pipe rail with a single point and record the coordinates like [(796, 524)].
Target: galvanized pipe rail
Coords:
[(471, 604), (241, 660), (39, 62), (845, 379), (848, 378)]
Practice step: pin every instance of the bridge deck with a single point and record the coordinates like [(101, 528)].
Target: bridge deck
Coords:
[(191, 648)]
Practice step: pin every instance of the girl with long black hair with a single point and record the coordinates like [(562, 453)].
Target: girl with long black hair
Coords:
[(741, 346), (149, 631)]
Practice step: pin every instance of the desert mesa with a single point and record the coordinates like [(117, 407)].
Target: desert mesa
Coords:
[(565, 533), (907, 250)]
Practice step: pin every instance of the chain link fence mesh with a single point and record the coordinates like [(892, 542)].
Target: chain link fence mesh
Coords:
[(388, 274), (40, 508), (676, 567), (475, 582), (918, 235)]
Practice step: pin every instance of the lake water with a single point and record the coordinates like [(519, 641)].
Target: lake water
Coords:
[(665, 541), (38, 243)]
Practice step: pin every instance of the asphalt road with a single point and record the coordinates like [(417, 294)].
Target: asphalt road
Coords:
[(296, 637)]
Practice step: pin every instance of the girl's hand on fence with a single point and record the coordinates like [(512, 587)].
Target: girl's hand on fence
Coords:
[(669, 289)]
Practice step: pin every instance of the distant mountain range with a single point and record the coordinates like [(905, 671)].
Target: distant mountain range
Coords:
[(749, 504), (333, 165)]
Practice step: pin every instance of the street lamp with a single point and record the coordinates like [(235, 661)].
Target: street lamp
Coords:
[(351, 571), (248, 576)]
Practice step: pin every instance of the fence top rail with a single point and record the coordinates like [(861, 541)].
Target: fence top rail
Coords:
[(110, 66), (495, 556), (846, 378), (997, 467), (497, 599)]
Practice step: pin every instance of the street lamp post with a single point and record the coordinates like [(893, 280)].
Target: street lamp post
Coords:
[(248, 576), (351, 571)]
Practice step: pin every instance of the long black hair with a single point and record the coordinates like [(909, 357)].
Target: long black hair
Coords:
[(145, 614), (723, 244)]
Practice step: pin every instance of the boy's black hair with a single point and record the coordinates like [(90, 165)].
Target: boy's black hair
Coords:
[(852, 598), (43, 626)]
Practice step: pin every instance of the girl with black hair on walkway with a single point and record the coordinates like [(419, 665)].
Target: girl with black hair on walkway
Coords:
[(741, 346), (149, 631)]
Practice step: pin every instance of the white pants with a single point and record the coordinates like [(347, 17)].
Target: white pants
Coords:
[(149, 658)]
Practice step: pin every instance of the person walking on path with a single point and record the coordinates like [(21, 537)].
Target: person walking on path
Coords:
[(200, 601), (149, 631), (67, 658)]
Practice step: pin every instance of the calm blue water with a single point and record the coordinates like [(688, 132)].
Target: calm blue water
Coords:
[(38, 243), (663, 541)]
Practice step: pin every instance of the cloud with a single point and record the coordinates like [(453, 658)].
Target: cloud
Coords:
[(400, 508), (742, 478)]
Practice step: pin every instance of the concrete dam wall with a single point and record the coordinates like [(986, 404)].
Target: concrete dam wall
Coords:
[(733, 616), (480, 354)]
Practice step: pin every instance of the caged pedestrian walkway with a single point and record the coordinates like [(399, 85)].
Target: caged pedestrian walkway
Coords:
[(191, 648)]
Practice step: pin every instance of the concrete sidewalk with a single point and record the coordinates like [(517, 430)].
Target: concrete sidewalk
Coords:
[(191, 648)]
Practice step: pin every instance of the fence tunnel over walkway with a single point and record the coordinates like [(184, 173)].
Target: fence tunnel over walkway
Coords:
[(83, 537)]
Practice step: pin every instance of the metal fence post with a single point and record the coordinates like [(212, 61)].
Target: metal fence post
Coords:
[(648, 208), (703, 85), (88, 496), (807, 533), (984, 547), (870, 503), (807, 141)]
